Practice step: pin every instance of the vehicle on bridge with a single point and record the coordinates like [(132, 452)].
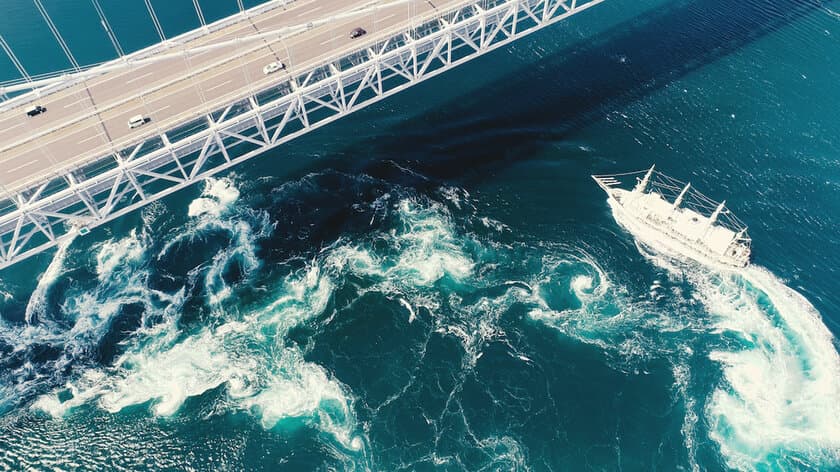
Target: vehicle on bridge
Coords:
[(137, 121), (357, 33), (35, 110), (273, 67)]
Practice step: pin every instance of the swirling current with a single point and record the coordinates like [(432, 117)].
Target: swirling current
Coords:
[(434, 283)]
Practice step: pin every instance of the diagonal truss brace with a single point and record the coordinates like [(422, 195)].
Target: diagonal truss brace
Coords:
[(159, 166)]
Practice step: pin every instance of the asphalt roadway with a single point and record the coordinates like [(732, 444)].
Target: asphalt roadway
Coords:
[(90, 119)]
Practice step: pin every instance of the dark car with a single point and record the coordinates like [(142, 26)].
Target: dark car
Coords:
[(357, 33), (35, 110)]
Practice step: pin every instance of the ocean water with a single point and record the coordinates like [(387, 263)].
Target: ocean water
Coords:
[(435, 283)]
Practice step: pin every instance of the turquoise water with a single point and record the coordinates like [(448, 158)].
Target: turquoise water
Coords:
[(436, 284)]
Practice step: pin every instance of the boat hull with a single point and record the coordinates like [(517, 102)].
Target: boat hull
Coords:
[(658, 239)]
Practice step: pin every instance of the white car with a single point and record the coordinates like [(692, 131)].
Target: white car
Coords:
[(273, 67), (136, 121)]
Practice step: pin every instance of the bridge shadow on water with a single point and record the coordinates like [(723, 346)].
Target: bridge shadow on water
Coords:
[(590, 79)]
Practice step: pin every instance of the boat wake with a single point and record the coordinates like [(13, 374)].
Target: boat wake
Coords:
[(779, 395)]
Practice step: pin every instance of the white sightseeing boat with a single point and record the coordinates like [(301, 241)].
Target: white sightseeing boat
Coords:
[(670, 215)]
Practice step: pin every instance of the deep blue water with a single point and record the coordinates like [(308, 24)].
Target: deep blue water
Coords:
[(436, 283)]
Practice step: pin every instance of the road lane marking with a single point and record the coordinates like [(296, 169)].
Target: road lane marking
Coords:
[(138, 78), (159, 110), (26, 164), (15, 126), (387, 17), (89, 139), (77, 102), (217, 86), (309, 11)]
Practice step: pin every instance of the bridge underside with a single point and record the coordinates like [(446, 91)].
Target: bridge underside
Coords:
[(97, 191)]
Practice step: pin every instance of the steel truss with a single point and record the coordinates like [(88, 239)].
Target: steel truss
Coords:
[(87, 196)]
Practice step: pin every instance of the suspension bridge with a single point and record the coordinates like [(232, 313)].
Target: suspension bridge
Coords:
[(206, 103)]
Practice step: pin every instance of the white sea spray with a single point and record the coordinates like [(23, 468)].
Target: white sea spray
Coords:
[(247, 356), (216, 198)]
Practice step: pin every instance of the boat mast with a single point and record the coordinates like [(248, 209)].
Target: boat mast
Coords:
[(642, 185), (718, 211), (681, 196), (713, 218)]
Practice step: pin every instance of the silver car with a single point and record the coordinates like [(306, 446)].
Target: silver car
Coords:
[(273, 67)]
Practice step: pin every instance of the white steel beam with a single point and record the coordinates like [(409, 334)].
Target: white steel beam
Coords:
[(173, 160)]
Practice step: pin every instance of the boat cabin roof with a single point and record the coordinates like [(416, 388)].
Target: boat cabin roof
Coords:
[(688, 223)]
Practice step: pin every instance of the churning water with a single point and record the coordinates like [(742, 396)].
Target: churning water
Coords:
[(436, 283)]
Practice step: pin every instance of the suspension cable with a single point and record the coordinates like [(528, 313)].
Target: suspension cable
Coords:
[(105, 24), (154, 17), (199, 13), (14, 59), (57, 35)]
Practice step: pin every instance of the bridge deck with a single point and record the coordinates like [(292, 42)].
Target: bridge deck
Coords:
[(79, 165), (89, 120)]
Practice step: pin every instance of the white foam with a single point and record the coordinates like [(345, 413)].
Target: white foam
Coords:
[(428, 250), (591, 287), (305, 391), (121, 281), (5, 294), (168, 377), (218, 195), (682, 380), (831, 12), (782, 395), (354, 259), (37, 301), (495, 225), (213, 211), (91, 382), (112, 253), (457, 196), (501, 452), (411, 314), (581, 284), (247, 357), (243, 248)]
